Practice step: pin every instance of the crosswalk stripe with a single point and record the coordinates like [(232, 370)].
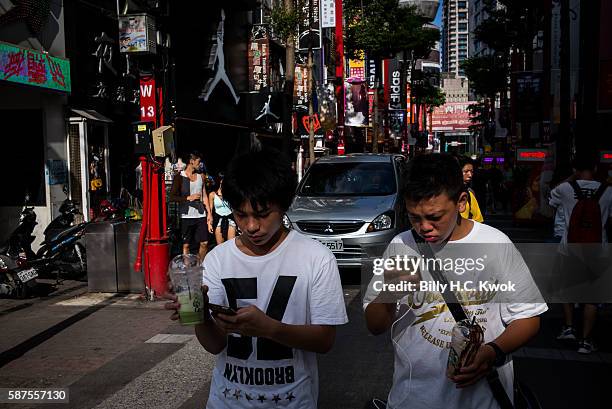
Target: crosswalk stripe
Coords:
[(168, 384)]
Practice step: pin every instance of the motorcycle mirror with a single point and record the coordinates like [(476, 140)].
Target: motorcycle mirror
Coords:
[(65, 190)]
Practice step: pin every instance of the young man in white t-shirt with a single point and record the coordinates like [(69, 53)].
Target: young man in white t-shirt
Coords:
[(420, 322), (564, 199), (284, 286)]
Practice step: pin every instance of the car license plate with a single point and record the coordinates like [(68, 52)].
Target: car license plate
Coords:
[(27, 275), (336, 246)]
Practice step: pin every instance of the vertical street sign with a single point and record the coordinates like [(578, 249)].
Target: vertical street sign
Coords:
[(328, 13), (304, 31), (148, 112)]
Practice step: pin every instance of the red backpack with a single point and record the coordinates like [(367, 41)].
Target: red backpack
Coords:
[(585, 222)]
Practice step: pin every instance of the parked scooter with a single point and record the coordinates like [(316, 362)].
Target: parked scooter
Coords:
[(62, 242), (17, 274)]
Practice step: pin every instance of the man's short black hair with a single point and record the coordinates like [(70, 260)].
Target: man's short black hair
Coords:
[(430, 175), (464, 160), (263, 178), (585, 160)]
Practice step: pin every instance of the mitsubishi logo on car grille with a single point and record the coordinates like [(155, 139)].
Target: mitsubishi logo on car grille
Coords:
[(328, 229)]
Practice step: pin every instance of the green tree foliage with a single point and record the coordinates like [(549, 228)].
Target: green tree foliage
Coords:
[(433, 97), (488, 74), (285, 22), (381, 29)]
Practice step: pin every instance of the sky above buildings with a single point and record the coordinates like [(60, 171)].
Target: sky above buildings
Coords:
[(438, 19)]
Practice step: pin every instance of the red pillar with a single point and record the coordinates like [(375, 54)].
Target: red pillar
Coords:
[(339, 72)]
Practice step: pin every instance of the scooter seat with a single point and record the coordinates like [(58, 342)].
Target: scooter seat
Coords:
[(69, 231)]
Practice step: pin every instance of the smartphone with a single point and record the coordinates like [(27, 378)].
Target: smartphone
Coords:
[(221, 309)]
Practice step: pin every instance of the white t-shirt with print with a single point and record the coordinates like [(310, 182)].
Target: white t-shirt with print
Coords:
[(563, 196), (422, 335), (297, 283)]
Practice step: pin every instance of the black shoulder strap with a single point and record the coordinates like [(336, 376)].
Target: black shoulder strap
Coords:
[(458, 313), (450, 298), (600, 191), (577, 190)]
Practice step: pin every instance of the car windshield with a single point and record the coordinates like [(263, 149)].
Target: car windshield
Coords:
[(349, 179)]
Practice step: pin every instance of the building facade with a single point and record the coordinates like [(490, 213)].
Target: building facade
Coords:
[(455, 35), (34, 84), (477, 14), (456, 89)]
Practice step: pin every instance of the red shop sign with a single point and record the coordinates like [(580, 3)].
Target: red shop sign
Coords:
[(148, 111)]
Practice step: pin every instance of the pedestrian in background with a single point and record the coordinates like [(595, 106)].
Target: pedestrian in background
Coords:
[(189, 190), (586, 206), (472, 209), (223, 220)]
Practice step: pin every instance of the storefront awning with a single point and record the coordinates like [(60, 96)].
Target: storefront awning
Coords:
[(91, 114)]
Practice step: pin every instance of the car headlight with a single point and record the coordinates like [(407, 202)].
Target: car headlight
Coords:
[(287, 222), (382, 222)]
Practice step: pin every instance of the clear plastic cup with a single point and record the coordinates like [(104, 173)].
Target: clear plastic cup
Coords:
[(186, 276)]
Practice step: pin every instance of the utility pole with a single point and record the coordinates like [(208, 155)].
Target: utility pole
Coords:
[(311, 141), (563, 142), (289, 83), (339, 71)]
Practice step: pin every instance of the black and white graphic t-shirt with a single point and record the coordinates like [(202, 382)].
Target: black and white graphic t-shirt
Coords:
[(298, 283)]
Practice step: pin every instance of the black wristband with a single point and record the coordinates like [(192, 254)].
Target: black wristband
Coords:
[(500, 356)]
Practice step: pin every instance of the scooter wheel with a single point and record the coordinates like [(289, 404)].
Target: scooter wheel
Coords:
[(23, 291)]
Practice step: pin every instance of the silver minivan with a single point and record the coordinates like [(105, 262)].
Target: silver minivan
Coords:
[(350, 203)]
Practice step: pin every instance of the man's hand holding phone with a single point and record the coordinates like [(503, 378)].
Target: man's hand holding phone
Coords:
[(249, 321)]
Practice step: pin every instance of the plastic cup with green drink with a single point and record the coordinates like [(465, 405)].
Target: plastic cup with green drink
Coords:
[(186, 276)]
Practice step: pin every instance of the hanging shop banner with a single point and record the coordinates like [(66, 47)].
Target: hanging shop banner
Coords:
[(300, 85), (303, 125), (328, 13), (373, 68), (356, 107), (327, 108), (259, 62), (357, 69), (393, 89), (148, 113), (528, 91), (396, 123), (452, 116), (137, 34), (24, 66), (394, 82), (307, 31)]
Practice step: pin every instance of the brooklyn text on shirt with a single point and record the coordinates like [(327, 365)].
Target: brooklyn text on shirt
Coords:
[(259, 376)]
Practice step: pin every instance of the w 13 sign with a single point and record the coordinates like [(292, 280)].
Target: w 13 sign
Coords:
[(147, 100)]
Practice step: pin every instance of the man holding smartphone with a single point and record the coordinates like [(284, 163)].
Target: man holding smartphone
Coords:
[(284, 287)]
